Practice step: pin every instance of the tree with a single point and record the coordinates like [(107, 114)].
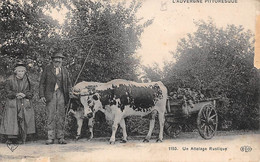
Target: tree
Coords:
[(112, 30), (26, 33), (220, 59), (154, 73)]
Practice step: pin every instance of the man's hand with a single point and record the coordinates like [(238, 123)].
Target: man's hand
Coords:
[(43, 100)]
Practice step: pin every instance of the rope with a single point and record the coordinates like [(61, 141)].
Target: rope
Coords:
[(83, 64), (68, 108)]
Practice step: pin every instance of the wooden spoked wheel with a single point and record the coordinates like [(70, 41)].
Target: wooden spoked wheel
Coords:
[(207, 121)]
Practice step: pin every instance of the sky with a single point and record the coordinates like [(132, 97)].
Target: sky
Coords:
[(178, 19), (173, 21)]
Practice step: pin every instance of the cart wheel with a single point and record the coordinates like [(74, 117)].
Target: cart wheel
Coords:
[(172, 130), (207, 121)]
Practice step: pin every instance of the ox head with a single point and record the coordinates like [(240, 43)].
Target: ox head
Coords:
[(82, 96), (91, 104), (90, 101)]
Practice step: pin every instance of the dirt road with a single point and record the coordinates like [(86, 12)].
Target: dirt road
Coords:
[(225, 146)]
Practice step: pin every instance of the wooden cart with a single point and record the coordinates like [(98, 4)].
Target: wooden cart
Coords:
[(179, 111)]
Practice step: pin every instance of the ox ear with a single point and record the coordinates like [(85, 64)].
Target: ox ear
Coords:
[(96, 96)]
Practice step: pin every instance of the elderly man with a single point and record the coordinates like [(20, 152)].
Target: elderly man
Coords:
[(54, 88)]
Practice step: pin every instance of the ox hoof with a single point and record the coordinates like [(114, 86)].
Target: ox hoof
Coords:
[(123, 141), (145, 140), (89, 139), (159, 140), (77, 137), (112, 142)]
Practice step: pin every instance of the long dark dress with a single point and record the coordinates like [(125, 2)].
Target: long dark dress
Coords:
[(18, 119)]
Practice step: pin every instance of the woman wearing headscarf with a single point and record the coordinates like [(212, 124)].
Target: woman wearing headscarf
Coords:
[(18, 119)]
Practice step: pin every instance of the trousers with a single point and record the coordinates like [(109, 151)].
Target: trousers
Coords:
[(56, 115)]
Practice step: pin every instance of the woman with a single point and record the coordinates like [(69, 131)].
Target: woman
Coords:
[(18, 119)]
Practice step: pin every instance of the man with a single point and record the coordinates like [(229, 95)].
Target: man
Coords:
[(54, 88)]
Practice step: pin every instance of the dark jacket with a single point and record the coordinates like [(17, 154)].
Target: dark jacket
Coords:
[(48, 81)]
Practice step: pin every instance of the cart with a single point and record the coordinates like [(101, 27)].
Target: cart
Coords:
[(203, 112)]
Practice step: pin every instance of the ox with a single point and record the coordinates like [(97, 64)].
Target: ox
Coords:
[(77, 109), (119, 98)]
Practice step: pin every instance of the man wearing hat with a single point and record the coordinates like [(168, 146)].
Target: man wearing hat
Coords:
[(54, 89)]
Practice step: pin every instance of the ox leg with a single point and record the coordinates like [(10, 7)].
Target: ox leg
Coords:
[(90, 126), (161, 123), (151, 126), (117, 119), (79, 122), (122, 125)]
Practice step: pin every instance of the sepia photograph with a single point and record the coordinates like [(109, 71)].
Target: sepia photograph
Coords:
[(129, 80)]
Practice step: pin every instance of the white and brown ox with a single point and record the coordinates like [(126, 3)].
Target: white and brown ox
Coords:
[(119, 98)]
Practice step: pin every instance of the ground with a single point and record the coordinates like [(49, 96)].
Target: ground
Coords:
[(189, 146)]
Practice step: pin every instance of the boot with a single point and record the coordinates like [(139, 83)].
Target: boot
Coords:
[(49, 142), (62, 141)]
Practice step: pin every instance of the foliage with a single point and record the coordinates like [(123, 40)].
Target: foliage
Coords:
[(27, 33), (154, 73), (112, 30), (108, 37), (220, 59)]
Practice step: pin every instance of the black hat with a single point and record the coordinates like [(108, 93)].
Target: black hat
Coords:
[(19, 63), (57, 55)]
